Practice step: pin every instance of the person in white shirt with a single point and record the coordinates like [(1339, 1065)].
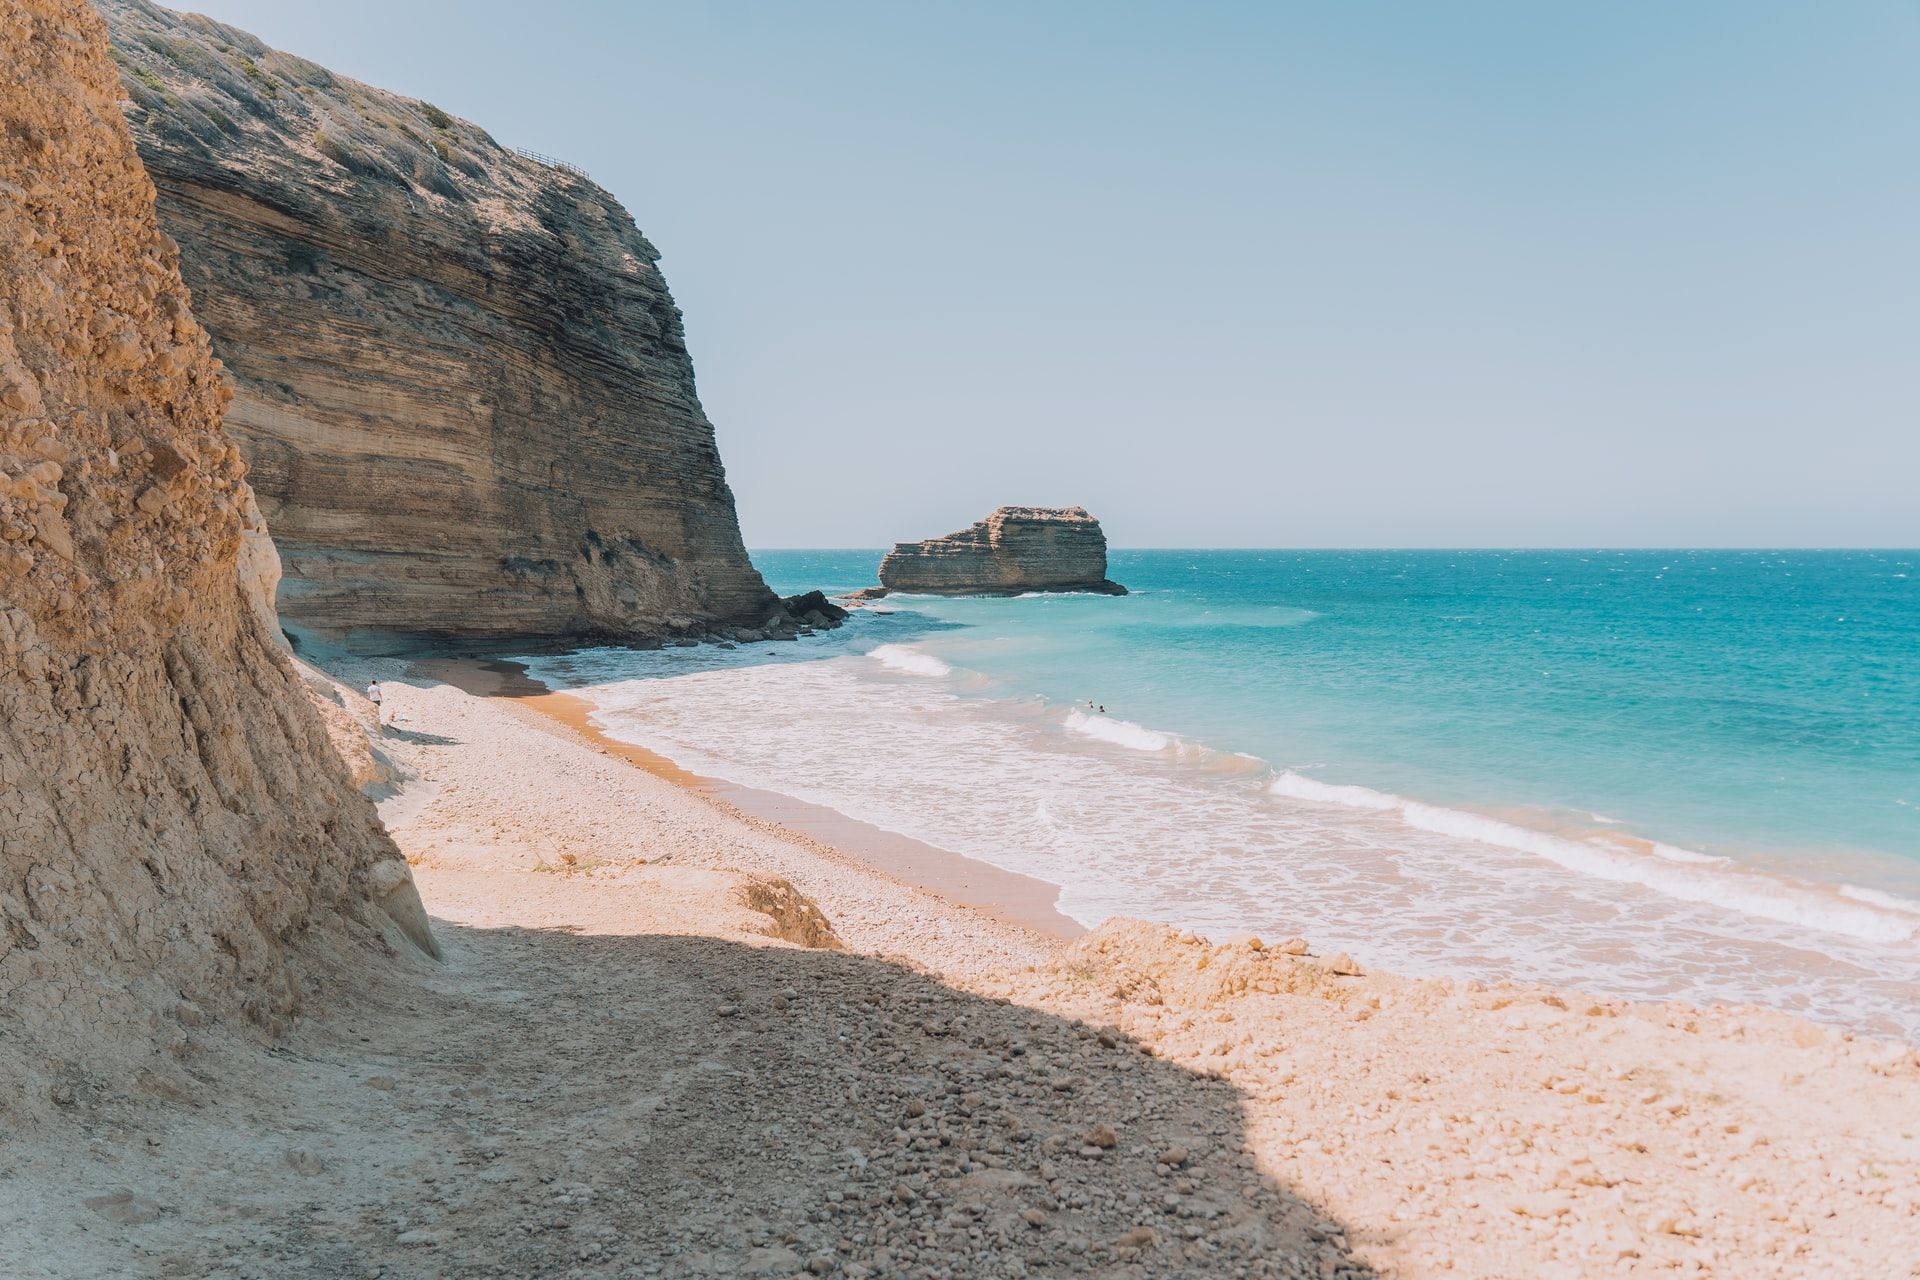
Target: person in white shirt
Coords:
[(378, 698)]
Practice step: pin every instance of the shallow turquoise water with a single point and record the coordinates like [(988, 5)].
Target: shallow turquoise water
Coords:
[(1646, 774), (1759, 704)]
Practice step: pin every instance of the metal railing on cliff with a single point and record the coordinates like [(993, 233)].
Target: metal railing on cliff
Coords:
[(552, 162)]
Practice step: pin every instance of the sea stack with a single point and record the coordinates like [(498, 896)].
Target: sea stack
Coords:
[(1012, 551), (460, 381)]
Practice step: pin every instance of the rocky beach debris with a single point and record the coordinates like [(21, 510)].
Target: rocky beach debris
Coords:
[(1013, 551)]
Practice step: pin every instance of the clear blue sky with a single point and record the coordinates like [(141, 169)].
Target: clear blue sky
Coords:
[(1257, 274)]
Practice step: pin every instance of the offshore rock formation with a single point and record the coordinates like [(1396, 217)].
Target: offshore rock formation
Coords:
[(461, 382), (1014, 550), (173, 822)]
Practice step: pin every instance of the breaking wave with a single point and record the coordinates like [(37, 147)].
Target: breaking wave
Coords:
[(1121, 733), (1674, 872), (907, 659)]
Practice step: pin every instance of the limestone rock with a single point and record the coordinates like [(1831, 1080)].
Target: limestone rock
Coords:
[(258, 568), (1014, 550), (177, 839), (460, 381)]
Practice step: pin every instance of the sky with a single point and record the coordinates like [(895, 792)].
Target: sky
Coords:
[(1347, 273)]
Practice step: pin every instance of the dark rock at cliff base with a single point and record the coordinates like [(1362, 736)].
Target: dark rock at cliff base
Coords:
[(460, 381), (1014, 550), (814, 609)]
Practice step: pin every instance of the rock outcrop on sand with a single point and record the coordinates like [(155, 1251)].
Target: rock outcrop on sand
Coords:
[(461, 382), (174, 828), (1014, 550)]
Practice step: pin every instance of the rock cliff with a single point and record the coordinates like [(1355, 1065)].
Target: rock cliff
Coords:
[(1016, 549), (461, 382), (174, 828)]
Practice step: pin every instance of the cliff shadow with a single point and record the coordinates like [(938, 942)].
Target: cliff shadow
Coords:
[(557, 1103)]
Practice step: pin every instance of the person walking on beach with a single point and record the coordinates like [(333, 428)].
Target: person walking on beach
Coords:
[(378, 699)]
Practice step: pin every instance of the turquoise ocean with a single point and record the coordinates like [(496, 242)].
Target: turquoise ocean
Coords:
[(1652, 774)]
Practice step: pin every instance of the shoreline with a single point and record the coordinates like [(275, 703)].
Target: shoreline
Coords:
[(1030, 901), (1006, 896)]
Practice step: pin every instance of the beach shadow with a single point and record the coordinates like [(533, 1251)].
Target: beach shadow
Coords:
[(555, 1103)]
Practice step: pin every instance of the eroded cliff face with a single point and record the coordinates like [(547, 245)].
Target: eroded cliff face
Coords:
[(1013, 550), (173, 824), (462, 383)]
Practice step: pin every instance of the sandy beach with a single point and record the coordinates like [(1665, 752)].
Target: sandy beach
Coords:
[(1002, 895), (672, 1038), (1401, 765)]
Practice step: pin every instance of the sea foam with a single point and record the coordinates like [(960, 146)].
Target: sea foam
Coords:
[(911, 661), (1674, 872), (1879, 898)]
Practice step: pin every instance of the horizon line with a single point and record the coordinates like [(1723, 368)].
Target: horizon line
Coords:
[(1909, 550)]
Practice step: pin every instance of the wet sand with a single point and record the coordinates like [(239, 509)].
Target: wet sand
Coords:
[(1003, 895)]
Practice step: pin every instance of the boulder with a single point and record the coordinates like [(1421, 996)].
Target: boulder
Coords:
[(813, 608)]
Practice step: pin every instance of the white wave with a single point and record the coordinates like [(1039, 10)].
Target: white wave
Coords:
[(905, 658), (1121, 733), (1684, 876), (1879, 898), (1674, 853), (1299, 787)]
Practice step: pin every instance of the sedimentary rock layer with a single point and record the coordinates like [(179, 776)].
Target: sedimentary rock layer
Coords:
[(1013, 550), (461, 382), (173, 822)]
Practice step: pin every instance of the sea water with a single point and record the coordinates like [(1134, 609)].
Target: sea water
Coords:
[(1688, 774)]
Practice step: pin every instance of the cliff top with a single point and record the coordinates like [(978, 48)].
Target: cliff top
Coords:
[(1052, 514), (1000, 517), (221, 95)]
